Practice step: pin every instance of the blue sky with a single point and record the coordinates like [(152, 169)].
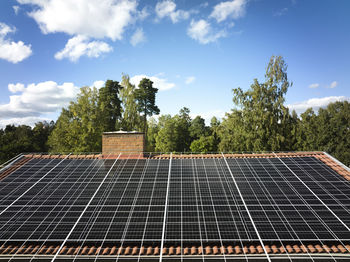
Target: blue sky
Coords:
[(194, 51)]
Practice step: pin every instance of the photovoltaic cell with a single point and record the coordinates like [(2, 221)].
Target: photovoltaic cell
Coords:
[(202, 201)]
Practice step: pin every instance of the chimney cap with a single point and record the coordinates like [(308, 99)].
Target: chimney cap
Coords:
[(122, 132)]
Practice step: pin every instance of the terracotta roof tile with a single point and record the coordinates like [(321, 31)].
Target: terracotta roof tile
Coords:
[(274, 249), (149, 251), (134, 251), (156, 251), (14, 167), (113, 249), (186, 251), (173, 250)]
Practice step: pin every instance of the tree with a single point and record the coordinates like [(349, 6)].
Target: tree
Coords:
[(41, 132), (262, 111), (15, 140), (152, 132), (214, 130), (20, 139), (198, 128), (308, 137), (110, 105), (232, 133), (291, 132), (79, 127), (333, 125), (145, 96), (174, 132), (182, 125), (131, 119), (166, 139), (203, 145)]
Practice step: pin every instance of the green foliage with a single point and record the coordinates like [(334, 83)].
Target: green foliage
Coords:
[(79, 128), (198, 128), (167, 137), (214, 130), (174, 134), (329, 130), (19, 139), (307, 138), (131, 119), (232, 133), (110, 105), (145, 96), (153, 130), (182, 128), (204, 144), (259, 122)]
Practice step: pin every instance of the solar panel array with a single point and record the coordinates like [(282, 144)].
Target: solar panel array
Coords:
[(158, 202)]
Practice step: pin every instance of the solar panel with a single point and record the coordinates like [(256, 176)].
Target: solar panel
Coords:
[(157, 208)]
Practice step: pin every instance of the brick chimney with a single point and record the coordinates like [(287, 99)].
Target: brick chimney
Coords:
[(123, 142)]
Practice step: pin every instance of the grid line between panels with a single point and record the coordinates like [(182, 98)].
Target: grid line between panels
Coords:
[(70, 232), (176, 207), (251, 219)]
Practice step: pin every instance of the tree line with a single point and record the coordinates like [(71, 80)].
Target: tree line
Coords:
[(259, 121)]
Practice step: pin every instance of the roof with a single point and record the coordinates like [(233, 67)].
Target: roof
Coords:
[(168, 206)]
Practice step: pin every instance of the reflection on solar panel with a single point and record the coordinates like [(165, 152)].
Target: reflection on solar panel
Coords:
[(256, 207)]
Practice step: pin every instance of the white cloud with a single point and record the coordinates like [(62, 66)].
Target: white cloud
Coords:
[(316, 103), (29, 121), (160, 83), (143, 14), (98, 84), (98, 19), (138, 37), (202, 31), (14, 88), (16, 9), (333, 84), (315, 85), (190, 80), (167, 8), (81, 46), (37, 99), (230, 9), (9, 50)]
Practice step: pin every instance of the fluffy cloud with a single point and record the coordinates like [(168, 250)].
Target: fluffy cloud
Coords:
[(315, 85), (202, 31), (98, 84), (167, 8), (9, 50), (230, 9), (160, 83), (81, 46), (333, 84), (29, 121), (37, 99), (98, 19), (138, 37), (16, 9), (14, 88), (190, 80), (316, 103)]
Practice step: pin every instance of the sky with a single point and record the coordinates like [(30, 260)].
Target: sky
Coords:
[(194, 51)]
